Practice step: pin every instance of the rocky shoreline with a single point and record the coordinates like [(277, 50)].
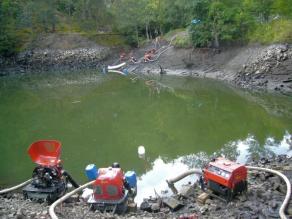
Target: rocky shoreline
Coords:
[(254, 67), (55, 59), (263, 200)]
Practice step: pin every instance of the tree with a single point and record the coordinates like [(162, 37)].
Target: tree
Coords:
[(221, 21), (130, 17), (283, 7), (8, 36), (260, 9)]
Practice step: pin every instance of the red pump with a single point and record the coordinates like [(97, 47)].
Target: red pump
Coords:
[(49, 178), (225, 177), (112, 190), (110, 184)]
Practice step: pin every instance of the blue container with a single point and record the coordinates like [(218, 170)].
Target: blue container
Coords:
[(91, 172), (131, 178)]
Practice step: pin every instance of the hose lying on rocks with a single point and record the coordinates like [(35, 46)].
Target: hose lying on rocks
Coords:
[(63, 198), (282, 215), (288, 184), (15, 187)]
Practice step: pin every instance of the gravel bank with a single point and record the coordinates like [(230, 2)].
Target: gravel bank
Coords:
[(265, 195)]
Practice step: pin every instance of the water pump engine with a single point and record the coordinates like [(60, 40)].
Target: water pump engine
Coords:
[(112, 189), (49, 179), (225, 177)]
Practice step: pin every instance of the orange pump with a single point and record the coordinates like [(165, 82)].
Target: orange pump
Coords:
[(225, 177)]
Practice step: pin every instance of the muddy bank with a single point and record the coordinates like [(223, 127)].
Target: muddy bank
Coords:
[(263, 200), (254, 67)]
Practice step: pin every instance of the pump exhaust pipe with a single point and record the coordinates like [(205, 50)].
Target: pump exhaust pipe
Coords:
[(70, 179)]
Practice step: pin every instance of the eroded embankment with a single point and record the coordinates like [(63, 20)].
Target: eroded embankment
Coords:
[(253, 66)]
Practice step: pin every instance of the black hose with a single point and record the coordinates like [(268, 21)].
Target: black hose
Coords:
[(70, 179)]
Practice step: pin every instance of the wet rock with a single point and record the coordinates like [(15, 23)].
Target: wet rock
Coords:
[(155, 207), (187, 191), (145, 206), (204, 209), (262, 202), (132, 207), (203, 197), (172, 203), (289, 209)]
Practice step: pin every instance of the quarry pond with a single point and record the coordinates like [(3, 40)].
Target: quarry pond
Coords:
[(103, 119)]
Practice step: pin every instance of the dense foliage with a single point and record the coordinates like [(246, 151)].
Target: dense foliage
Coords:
[(209, 22)]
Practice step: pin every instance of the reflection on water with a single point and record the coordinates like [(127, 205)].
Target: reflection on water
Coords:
[(156, 178), (101, 119), (240, 150)]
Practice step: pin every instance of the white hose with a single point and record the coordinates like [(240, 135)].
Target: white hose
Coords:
[(181, 176), (63, 198), (117, 71), (171, 182), (113, 67), (15, 187), (288, 184)]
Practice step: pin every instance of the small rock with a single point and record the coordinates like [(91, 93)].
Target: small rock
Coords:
[(203, 197), (187, 191), (45, 212), (172, 203), (273, 204), (145, 206), (204, 209), (132, 207), (155, 207)]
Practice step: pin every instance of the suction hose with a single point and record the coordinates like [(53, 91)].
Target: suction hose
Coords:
[(171, 182), (15, 187), (63, 198)]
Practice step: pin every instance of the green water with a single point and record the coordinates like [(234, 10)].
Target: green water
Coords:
[(100, 119)]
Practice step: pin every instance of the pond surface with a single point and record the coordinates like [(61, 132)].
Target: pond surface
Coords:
[(104, 118)]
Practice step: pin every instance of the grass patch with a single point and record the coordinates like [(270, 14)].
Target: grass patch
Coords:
[(169, 35), (277, 31), (182, 38), (104, 39)]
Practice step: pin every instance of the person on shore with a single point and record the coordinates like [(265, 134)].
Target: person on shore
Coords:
[(132, 58), (122, 56), (147, 56)]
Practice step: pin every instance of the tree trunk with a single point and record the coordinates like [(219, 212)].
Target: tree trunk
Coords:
[(216, 40), (147, 33), (137, 36)]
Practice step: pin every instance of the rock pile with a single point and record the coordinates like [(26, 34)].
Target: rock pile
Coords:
[(263, 200), (55, 59), (271, 69)]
